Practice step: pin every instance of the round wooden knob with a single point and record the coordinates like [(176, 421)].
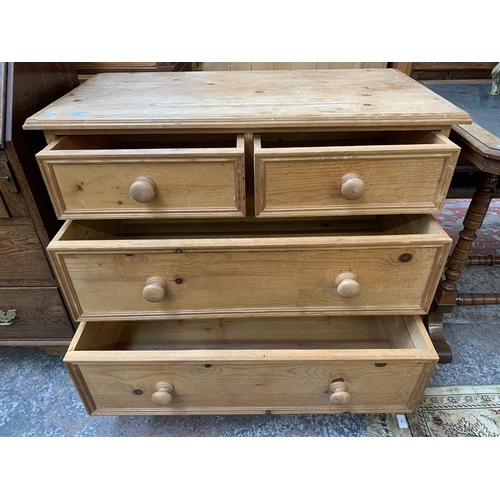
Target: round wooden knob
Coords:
[(143, 189), (339, 396), (347, 285), (163, 395), (352, 187), (155, 289)]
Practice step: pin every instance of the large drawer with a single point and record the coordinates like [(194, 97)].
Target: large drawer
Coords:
[(127, 176), (301, 365), (130, 270), (352, 173)]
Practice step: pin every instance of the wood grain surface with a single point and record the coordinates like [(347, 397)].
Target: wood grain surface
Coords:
[(230, 377), (161, 340), (255, 276), (4, 214), (42, 316), (22, 255), (412, 177), (294, 386), (298, 315), (242, 100), (190, 182), (280, 66)]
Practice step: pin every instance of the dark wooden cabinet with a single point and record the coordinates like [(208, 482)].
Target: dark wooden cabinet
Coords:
[(32, 311), (438, 71), (86, 70)]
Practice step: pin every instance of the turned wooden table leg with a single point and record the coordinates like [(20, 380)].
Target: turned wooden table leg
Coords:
[(446, 295), (473, 221)]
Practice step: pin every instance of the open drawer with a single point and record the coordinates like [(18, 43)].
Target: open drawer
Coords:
[(352, 173), (127, 176), (131, 270), (302, 365)]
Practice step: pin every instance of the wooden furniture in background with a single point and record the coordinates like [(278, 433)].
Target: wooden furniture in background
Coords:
[(480, 143), (197, 298), (267, 66), (86, 70), (27, 220), (417, 70), (445, 70)]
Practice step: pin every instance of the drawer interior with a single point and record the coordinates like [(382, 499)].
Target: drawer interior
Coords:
[(250, 227), (326, 333), (268, 140), (250, 365), (145, 141), (354, 138)]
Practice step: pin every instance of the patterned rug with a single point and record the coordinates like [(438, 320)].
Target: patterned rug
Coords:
[(467, 411)]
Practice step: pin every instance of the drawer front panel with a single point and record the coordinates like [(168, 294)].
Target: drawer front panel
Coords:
[(40, 315), (247, 281), (249, 387), (23, 260), (164, 183), (353, 180)]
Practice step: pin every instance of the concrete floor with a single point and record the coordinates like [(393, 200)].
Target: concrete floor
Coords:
[(37, 397)]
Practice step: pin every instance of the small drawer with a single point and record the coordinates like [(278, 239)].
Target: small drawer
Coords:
[(324, 365), (33, 315), (165, 176), (353, 173), (130, 270)]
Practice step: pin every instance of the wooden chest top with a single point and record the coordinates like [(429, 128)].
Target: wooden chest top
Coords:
[(249, 101)]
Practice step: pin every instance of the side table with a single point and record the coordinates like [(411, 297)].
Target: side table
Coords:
[(480, 144)]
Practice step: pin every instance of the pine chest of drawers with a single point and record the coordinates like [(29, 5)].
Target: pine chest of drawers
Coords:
[(249, 242)]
